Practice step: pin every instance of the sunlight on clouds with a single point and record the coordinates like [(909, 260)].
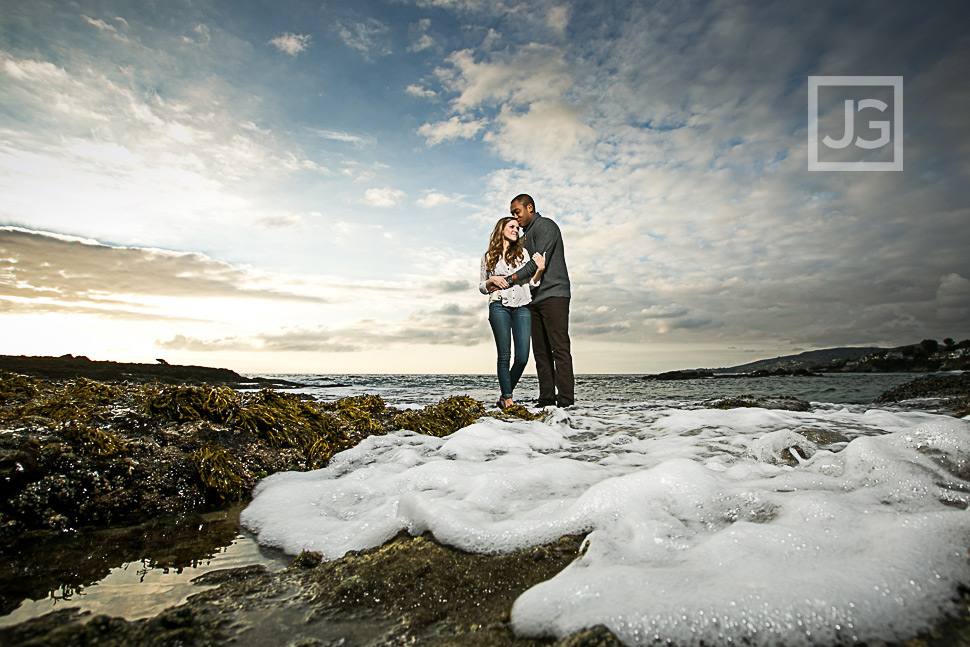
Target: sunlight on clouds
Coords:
[(432, 199), (113, 151), (670, 154), (534, 73), (454, 128), (140, 298), (552, 127), (385, 197)]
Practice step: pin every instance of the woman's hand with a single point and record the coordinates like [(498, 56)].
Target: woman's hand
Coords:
[(496, 283), (540, 260)]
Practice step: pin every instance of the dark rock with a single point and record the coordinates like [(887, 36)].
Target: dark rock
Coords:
[(952, 391), (680, 375), (598, 636), (783, 402), (68, 367), (823, 437)]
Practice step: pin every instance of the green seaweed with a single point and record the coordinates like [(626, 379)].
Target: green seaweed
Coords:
[(515, 411), (16, 388), (221, 471), (93, 440), (184, 403), (446, 417)]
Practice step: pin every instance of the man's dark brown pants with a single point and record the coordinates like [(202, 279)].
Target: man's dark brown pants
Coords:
[(550, 344)]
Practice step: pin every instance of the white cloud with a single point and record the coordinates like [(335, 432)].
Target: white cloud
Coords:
[(100, 24), (418, 35), (554, 128), (383, 197), (340, 136), (536, 72), (454, 128), (292, 44), (558, 19), (432, 199), (126, 162), (418, 91), (369, 36)]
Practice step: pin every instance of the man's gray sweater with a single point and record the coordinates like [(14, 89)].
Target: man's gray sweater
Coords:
[(543, 236)]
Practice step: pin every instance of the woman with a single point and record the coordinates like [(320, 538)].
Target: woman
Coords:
[(510, 320)]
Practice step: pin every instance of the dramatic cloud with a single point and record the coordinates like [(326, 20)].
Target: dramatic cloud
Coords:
[(331, 204), (446, 326), (62, 271)]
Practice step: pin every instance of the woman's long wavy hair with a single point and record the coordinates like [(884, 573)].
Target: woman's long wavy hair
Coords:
[(512, 254)]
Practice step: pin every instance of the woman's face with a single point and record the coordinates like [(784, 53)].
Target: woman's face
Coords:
[(511, 230)]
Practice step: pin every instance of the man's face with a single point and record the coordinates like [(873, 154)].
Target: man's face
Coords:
[(522, 213)]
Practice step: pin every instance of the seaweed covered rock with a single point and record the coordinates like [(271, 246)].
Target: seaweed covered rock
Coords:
[(784, 402), (452, 414), (83, 453)]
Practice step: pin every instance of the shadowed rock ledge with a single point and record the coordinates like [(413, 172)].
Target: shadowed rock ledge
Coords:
[(69, 367)]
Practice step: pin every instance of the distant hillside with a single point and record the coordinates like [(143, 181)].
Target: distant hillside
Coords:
[(811, 359), (927, 355)]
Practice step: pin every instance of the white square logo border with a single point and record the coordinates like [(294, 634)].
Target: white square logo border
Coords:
[(814, 82)]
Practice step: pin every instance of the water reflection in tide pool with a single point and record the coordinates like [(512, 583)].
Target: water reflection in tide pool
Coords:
[(132, 572)]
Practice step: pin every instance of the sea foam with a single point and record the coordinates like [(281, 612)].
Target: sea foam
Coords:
[(702, 526)]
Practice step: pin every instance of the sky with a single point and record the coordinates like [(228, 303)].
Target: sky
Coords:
[(308, 187)]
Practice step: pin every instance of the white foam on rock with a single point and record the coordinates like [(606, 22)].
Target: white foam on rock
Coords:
[(698, 530)]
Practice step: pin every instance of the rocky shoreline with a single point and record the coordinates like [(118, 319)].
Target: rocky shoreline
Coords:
[(71, 367), (77, 453)]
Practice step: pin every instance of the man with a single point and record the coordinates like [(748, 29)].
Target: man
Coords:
[(550, 304)]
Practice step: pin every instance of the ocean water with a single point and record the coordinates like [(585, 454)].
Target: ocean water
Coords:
[(844, 523), (411, 391)]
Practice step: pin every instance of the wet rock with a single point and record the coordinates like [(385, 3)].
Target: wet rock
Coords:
[(598, 636), (85, 453), (230, 574), (68, 367), (823, 437), (952, 392), (783, 402), (410, 591), (680, 375)]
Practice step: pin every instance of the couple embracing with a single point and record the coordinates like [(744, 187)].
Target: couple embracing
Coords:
[(524, 274)]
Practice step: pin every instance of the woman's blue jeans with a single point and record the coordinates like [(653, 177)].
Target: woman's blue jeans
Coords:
[(510, 325)]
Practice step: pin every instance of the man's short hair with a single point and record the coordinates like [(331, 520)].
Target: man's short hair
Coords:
[(525, 200)]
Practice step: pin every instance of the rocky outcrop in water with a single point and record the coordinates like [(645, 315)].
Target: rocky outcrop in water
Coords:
[(784, 402), (951, 392)]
